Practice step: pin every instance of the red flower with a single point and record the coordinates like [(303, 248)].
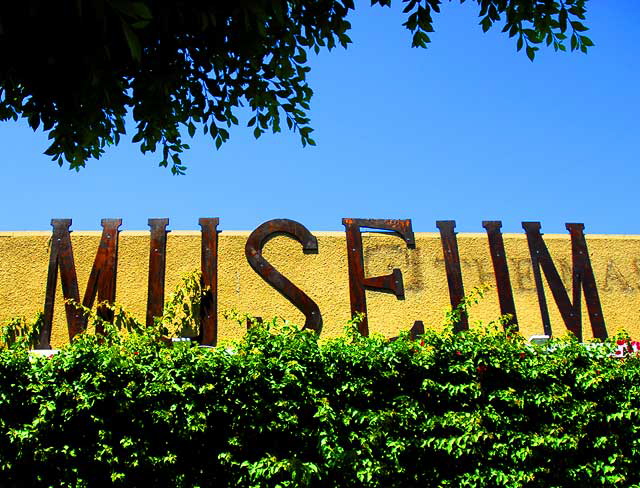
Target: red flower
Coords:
[(522, 355), (458, 353), (621, 342), (422, 343), (482, 369), (135, 353)]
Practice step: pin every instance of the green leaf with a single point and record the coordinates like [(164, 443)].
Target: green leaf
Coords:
[(578, 26), (132, 41), (586, 41), (486, 23), (562, 18), (531, 52), (140, 9)]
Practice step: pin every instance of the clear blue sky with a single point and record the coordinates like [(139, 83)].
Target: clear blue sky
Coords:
[(468, 130)]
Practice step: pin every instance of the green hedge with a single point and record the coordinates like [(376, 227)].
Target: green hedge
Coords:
[(280, 408)]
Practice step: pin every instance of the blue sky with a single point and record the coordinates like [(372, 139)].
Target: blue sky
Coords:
[(468, 129)]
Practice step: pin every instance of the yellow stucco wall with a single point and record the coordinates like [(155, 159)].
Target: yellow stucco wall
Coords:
[(324, 277)]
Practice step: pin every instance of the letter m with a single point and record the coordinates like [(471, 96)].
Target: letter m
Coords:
[(582, 279), (102, 280)]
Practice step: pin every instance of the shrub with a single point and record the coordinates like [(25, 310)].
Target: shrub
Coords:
[(282, 408)]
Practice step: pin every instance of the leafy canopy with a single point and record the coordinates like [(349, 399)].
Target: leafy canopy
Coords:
[(76, 68)]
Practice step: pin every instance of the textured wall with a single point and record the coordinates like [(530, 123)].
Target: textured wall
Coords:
[(324, 277)]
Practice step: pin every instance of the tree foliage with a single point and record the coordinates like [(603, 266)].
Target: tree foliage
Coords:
[(76, 68)]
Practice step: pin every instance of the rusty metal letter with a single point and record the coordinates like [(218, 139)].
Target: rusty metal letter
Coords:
[(253, 252), (452, 266), (583, 278), (102, 280), (357, 281), (209, 268), (61, 256), (501, 269), (157, 267), (416, 331)]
